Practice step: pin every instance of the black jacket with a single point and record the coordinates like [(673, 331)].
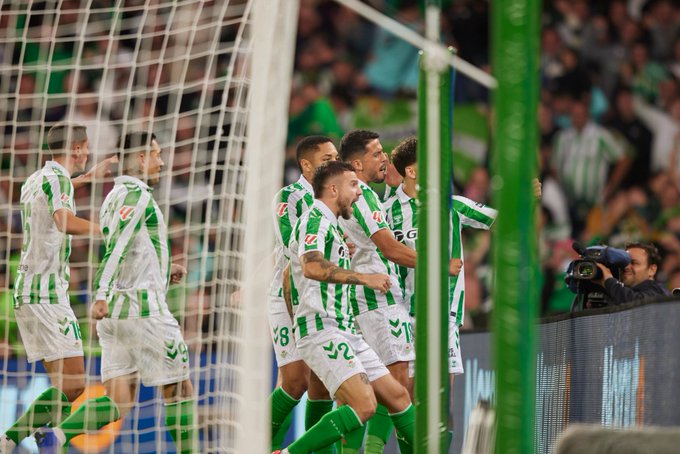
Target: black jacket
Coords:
[(619, 293)]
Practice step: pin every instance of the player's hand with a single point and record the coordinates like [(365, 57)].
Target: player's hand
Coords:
[(455, 265), (380, 282), (538, 191), (102, 169), (100, 310), (351, 246), (177, 273)]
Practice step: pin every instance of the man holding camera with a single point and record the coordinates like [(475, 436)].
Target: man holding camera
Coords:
[(637, 278)]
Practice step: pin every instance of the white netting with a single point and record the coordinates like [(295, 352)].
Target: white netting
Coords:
[(177, 68)]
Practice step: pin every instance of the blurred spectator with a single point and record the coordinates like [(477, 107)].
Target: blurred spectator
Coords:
[(582, 158), (636, 134)]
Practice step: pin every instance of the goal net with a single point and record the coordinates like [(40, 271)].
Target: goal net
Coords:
[(203, 76)]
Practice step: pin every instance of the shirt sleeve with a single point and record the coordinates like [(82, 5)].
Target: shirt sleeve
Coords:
[(312, 237), (369, 214), (474, 214), (59, 192)]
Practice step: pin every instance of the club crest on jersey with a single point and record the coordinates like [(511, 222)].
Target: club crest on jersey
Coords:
[(310, 239), (126, 212), (281, 209), (377, 216)]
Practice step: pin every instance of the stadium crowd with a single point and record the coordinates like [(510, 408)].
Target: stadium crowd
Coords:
[(610, 102), (609, 119)]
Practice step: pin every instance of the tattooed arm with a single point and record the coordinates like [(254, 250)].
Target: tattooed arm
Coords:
[(316, 267)]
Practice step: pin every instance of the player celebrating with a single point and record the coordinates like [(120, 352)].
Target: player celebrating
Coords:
[(324, 327), (49, 329), (137, 333), (289, 204), (402, 217)]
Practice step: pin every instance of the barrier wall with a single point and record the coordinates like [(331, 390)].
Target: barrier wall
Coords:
[(615, 367)]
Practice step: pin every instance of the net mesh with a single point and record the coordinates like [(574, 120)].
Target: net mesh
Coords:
[(179, 69)]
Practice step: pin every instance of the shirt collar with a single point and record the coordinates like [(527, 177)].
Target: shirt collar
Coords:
[(326, 211), (305, 184), (403, 196), (58, 166), (132, 180)]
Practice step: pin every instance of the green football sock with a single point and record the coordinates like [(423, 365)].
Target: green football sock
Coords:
[(405, 423), (277, 439), (179, 419), (352, 441), (314, 411), (89, 417), (282, 405), (330, 429), (49, 407), (379, 428)]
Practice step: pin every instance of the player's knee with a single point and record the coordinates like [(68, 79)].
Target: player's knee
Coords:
[(295, 387), (73, 390), (365, 409)]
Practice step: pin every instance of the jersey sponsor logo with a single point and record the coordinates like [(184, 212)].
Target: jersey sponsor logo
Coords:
[(64, 198), (401, 235), (343, 252), (377, 216), (310, 239), (126, 212), (281, 209)]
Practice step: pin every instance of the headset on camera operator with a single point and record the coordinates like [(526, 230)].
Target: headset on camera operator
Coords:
[(637, 278)]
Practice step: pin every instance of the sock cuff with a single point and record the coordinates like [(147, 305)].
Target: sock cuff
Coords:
[(284, 395), (382, 410), (349, 417), (403, 412), (319, 401), (179, 403)]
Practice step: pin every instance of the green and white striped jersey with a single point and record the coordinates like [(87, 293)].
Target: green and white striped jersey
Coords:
[(290, 203), (466, 213), (402, 216), (368, 217), (134, 274), (582, 160), (390, 192), (43, 274), (318, 305)]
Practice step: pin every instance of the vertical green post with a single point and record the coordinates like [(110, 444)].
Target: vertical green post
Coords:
[(515, 65), (432, 309)]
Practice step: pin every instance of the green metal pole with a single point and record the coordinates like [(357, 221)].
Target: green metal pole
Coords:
[(515, 66)]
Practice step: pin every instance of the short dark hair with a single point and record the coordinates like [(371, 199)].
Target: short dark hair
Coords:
[(354, 143), (653, 256), (325, 172), (404, 154), (136, 141), (309, 145), (62, 136)]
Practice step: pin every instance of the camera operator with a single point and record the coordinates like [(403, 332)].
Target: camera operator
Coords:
[(637, 279)]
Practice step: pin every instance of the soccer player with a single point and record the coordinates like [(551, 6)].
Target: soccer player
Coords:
[(137, 332), (289, 204), (324, 326), (49, 329), (402, 217)]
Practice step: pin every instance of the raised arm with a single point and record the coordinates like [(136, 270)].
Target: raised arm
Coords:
[(99, 171), (316, 267), (67, 222), (393, 250)]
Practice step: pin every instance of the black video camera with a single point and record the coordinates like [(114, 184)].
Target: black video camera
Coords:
[(581, 272)]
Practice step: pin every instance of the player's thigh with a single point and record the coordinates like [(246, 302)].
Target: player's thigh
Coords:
[(123, 391), (174, 392), (163, 358), (317, 390), (281, 330), (392, 394), (49, 332), (388, 331), (455, 359), (294, 378), (356, 392)]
